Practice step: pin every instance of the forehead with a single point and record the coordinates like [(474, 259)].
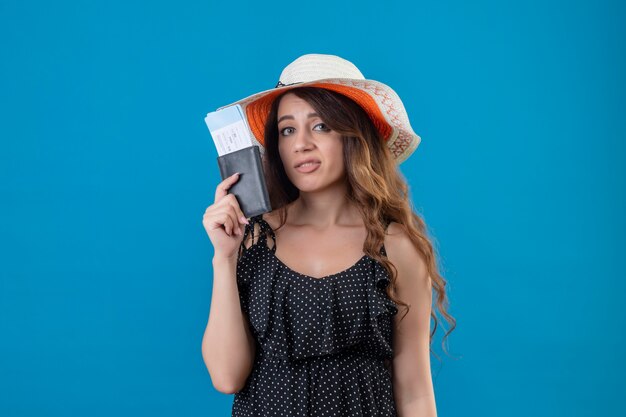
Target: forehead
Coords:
[(290, 102)]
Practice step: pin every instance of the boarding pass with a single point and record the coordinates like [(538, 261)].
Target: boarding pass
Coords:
[(229, 129)]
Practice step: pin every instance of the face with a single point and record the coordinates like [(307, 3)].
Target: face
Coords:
[(303, 135)]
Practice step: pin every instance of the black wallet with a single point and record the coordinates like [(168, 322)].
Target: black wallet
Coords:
[(250, 189)]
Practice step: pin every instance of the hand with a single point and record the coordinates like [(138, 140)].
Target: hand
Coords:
[(223, 220)]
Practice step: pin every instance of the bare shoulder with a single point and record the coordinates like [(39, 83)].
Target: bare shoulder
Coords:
[(404, 255), (271, 218)]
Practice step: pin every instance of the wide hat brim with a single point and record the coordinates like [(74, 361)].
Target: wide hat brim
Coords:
[(379, 101)]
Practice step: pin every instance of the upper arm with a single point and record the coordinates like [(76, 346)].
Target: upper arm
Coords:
[(411, 363)]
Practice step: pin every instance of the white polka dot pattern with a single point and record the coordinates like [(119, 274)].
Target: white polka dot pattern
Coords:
[(323, 344)]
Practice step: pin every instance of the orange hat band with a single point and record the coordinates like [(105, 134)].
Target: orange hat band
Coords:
[(258, 111)]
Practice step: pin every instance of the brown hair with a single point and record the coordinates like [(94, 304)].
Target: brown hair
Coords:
[(375, 185)]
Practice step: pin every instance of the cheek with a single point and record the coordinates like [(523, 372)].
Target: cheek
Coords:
[(281, 154), (335, 152)]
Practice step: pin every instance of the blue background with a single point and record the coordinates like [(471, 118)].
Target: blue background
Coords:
[(106, 169)]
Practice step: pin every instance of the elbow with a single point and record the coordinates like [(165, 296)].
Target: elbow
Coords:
[(225, 379), (225, 386), (225, 382)]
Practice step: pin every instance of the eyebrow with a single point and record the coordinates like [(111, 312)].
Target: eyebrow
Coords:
[(288, 116)]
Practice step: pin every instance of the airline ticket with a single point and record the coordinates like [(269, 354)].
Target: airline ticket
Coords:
[(229, 129)]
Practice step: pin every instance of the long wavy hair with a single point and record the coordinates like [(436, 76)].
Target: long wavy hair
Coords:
[(375, 185)]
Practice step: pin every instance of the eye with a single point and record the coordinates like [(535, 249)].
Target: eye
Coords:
[(282, 131), (326, 129)]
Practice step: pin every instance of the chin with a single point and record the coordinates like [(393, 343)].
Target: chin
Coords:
[(309, 187), (314, 183)]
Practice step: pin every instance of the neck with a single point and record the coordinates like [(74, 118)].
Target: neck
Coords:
[(324, 208)]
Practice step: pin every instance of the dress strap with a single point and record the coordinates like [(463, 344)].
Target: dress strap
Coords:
[(264, 230)]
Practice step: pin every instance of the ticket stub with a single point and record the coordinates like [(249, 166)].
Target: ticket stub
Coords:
[(229, 129)]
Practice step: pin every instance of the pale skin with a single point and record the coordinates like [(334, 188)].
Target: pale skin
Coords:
[(323, 224)]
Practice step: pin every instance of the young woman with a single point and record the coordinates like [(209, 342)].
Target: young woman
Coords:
[(322, 307)]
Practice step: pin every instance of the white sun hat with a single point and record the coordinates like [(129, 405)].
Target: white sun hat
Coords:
[(331, 72)]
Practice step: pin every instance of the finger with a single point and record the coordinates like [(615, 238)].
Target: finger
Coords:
[(225, 215), (241, 218), (234, 224), (234, 210), (234, 221), (228, 224), (214, 221), (222, 187)]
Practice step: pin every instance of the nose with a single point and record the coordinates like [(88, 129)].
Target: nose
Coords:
[(302, 141)]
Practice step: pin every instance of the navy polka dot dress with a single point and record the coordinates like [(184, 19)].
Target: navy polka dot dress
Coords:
[(323, 344)]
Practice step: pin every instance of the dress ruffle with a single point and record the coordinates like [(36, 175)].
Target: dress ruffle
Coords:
[(383, 304), (274, 325)]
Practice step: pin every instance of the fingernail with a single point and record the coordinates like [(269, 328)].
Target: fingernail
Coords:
[(236, 173), (243, 219)]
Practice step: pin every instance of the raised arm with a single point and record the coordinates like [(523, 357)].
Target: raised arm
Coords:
[(228, 347)]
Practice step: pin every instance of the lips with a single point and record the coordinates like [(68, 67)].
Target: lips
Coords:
[(304, 161), (307, 166)]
